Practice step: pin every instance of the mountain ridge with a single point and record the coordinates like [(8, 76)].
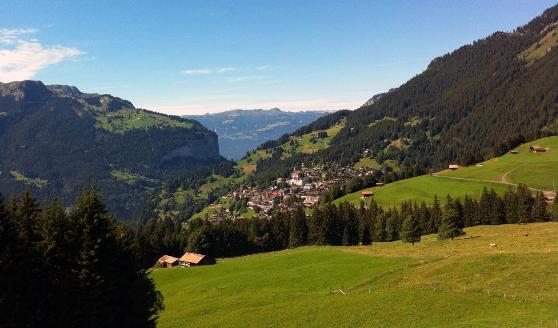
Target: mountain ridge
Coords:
[(68, 139)]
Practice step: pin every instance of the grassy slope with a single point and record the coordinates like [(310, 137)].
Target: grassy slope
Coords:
[(536, 170), (127, 119), (423, 188), (458, 283)]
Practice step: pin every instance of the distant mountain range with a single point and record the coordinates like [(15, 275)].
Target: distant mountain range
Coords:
[(57, 140), (241, 131)]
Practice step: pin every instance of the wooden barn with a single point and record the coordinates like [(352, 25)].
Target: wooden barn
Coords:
[(167, 261), (193, 259), (453, 167), (367, 194), (537, 149)]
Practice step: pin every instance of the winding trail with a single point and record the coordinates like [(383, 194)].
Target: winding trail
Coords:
[(501, 180)]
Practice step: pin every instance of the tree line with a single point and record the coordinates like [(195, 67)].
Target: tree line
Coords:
[(345, 224), (71, 267)]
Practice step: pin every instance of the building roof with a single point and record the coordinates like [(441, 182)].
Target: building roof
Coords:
[(167, 259), (192, 258), (453, 166), (368, 192)]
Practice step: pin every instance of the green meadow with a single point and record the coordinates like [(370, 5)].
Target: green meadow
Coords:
[(537, 170), (452, 283), (423, 188)]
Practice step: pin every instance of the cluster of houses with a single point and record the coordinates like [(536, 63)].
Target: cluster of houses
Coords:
[(186, 260), (303, 187)]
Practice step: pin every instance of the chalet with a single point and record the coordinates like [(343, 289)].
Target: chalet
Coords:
[(367, 194), (379, 184), (167, 261), (514, 152), (193, 259), (537, 149), (453, 167)]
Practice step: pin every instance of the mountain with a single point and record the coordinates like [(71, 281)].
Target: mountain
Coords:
[(240, 131), (57, 140), (467, 106), (376, 98)]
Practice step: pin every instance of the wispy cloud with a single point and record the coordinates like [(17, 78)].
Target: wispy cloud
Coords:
[(10, 36), (246, 78), (22, 59), (263, 67), (207, 71)]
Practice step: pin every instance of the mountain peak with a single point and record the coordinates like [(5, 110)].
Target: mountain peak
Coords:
[(25, 90)]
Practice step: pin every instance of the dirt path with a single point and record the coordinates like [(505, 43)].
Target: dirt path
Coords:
[(501, 180), (503, 177), (474, 180)]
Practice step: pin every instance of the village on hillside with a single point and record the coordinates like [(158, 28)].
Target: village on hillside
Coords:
[(304, 187)]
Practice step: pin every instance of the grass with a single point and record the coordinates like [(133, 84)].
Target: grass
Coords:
[(306, 145), (423, 188), (28, 181), (540, 48), (459, 283), (367, 162), (130, 178), (127, 119), (537, 170)]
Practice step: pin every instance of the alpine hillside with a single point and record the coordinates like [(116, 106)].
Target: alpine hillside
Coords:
[(467, 106), (56, 140)]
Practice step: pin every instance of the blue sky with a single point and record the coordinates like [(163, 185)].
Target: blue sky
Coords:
[(185, 57)]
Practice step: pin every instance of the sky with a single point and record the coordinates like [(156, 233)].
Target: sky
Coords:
[(195, 57)]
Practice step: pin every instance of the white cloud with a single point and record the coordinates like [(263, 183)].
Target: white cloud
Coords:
[(21, 59), (10, 36), (207, 71)]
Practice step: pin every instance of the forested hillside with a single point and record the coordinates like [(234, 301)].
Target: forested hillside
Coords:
[(468, 105), (55, 140)]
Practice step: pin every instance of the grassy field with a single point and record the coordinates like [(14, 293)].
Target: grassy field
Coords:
[(459, 283), (537, 170), (423, 188), (539, 49), (127, 119)]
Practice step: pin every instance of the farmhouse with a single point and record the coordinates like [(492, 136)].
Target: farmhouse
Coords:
[(192, 259), (537, 149), (167, 261), (453, 167), (367, 194)]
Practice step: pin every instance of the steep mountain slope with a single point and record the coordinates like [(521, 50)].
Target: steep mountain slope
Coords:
[(56, 140), (467, 106), (241, 131)]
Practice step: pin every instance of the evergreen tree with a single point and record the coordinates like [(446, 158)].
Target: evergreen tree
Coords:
[(449, 225), (435, 216), (540, 211), (410, 231), (524, 203), (298, 229), (555, 208)]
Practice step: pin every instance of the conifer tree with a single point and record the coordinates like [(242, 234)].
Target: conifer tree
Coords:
[(298, 229), (555, 208), (410, 231), (435, 216), (449, 225), (540, 211), (524, 203)]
